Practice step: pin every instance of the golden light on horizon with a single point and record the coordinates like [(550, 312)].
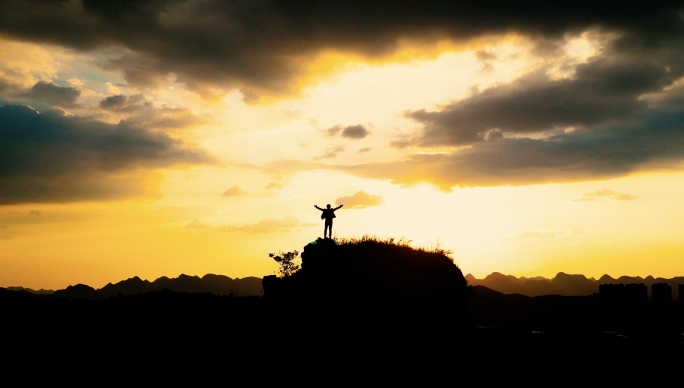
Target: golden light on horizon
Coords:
[(135, 176)]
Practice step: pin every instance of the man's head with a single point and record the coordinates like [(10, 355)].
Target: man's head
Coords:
[(328, 206)]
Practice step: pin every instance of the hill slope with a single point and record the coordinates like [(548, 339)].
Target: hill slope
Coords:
[(372, 277)]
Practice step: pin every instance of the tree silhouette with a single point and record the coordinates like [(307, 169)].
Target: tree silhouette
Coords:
[(285, 260)]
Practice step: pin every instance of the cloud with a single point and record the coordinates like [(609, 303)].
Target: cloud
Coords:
[(648, 141), (486, 58), (54, 95), (233, 192), (330, 153), (403, 143), (137, 110), (9, 88), (605, 193), (259, 47), (624, 197), (360, 200), (353, 132), (364, 150), (53, 157), (600, 193), (270, 225), (333, 131), (274, 186), (604, 90), (121, 103), (75, 81), (4, 85)]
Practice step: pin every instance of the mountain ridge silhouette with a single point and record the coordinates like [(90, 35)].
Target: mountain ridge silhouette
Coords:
[(42, 291), (563, 284), (215, 284)]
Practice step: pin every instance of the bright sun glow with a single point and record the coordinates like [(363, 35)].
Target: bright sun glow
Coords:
[(274, 156)]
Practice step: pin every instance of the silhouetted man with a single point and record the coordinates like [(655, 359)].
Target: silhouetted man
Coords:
[(328, 215)]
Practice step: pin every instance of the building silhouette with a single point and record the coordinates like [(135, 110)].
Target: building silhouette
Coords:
[(635, 293), (662, 293)]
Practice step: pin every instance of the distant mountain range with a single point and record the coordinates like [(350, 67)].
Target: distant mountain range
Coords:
[(563, 284), (215, 284), (31, 291)]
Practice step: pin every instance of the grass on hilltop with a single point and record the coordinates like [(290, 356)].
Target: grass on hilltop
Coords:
[(401, 242)]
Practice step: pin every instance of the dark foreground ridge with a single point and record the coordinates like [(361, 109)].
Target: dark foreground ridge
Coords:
[(378, 280), (357, 302)]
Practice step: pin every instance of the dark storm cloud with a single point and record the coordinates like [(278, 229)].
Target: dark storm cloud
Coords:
[(257, 45), (605, 89), (50, 157), (121, 103), (651, 140), (142, 112), (52, 94), (4, 85), (113, 102)]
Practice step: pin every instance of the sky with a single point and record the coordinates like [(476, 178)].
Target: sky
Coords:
[(158, 137)]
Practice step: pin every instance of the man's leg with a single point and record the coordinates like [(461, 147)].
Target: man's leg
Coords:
[(328, 227)]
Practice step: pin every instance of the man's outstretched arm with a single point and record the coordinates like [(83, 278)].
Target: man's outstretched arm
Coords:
[(317, 207), (338, 207)]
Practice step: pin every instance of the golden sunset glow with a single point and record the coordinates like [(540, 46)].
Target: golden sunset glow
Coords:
[(166, 168)]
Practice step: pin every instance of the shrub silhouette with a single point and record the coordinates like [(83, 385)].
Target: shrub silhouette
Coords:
[(285, 260)]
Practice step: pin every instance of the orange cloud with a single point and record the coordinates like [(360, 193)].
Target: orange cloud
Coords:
[(605, 193), (360, 200)]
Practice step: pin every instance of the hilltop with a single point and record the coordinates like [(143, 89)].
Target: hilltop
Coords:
[(387, 280)]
